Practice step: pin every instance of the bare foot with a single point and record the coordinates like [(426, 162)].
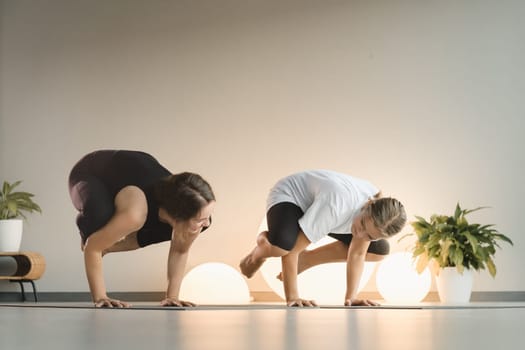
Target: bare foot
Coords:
[(249, 265), (253, 261)]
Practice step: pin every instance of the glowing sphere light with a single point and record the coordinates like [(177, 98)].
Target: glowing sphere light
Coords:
[(214, 283), (398, 281), (326, 283)]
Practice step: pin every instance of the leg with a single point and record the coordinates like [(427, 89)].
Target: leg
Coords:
[(125, 244), (94, 203), (337, 251), (281, 237), (263, 250), (34, 290), (330, 253), (22, 289)]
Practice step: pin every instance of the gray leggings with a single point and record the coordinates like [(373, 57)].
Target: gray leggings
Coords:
[(283, 229)]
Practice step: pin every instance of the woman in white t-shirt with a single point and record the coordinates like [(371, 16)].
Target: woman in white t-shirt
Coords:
[(304, 207)]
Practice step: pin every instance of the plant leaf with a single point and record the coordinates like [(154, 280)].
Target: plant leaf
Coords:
[(503, 238), (457, 212), (458, 260), (422, 263), (404, 236), (491, 267), (468, 211), (453, 241), (445, 249), (14, 204), (472, 240), (434, 267)]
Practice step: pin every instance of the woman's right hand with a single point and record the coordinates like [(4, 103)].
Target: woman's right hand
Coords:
[(110, 303), (360, 302), (176, 302), (301, 303)]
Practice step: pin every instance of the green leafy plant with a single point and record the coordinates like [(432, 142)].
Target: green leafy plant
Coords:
[(451, 241), (14, 204)]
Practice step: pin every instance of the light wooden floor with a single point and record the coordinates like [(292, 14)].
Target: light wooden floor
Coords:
[(484, 326)]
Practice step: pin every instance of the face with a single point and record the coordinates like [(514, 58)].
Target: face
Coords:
[(363, 227), (202, 219), (193, 225)]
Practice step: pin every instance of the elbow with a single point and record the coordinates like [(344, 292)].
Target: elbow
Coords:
[(92, 250)]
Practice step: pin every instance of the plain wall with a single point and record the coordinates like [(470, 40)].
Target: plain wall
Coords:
[(424, 99)]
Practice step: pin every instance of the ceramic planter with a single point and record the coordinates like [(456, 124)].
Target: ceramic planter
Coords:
[(453, 287), (10, 235)]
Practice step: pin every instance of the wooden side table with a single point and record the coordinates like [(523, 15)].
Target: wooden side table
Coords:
[(30, 266)]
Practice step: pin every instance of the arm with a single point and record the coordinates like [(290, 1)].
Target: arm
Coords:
[(289, 267), (130, 214), (354, 269), (176, 265), (181, 242)]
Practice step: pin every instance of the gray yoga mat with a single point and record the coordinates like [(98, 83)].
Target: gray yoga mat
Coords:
[(261, 306)]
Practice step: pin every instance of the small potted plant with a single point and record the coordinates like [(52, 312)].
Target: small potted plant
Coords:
[(454, 248), (13, 205)]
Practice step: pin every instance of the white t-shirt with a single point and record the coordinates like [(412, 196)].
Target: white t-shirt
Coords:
[(329, 200)]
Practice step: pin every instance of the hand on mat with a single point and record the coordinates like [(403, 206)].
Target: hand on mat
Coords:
[(301, 303), (108, 302), (176, 302), (360, 302)]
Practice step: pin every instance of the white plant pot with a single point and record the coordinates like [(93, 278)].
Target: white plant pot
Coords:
[(10, 235), (453, 287)]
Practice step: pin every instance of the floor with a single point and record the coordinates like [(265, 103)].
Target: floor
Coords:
[(75, 326)]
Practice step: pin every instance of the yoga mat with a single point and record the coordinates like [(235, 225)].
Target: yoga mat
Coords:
[(146, 306), (271, 307)]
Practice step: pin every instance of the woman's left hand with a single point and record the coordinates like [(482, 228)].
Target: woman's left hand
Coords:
[(301, 303), (176, 302), (360, 302)]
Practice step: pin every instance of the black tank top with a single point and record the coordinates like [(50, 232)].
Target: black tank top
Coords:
[(118, 169)]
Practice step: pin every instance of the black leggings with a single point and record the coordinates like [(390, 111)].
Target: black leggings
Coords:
[(283, 229), (93, 201)]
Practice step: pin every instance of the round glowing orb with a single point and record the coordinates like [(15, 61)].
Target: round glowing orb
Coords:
[(214, 283), (326, 283), (398, 281)]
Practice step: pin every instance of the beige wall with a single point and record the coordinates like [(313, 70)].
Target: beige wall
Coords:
[(422, 98)]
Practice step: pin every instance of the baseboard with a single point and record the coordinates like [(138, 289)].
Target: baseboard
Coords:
[(258, 296)]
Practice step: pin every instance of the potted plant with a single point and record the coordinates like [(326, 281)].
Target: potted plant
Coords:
[(454, 248), (13, 205)]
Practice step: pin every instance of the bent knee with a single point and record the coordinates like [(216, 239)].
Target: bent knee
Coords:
[(134, 217), (131, 203)]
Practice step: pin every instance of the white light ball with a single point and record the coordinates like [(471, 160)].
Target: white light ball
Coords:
[(326, 283), (398, 281), (214, 283)]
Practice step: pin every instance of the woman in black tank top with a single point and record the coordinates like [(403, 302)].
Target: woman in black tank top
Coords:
[(128, 200)]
